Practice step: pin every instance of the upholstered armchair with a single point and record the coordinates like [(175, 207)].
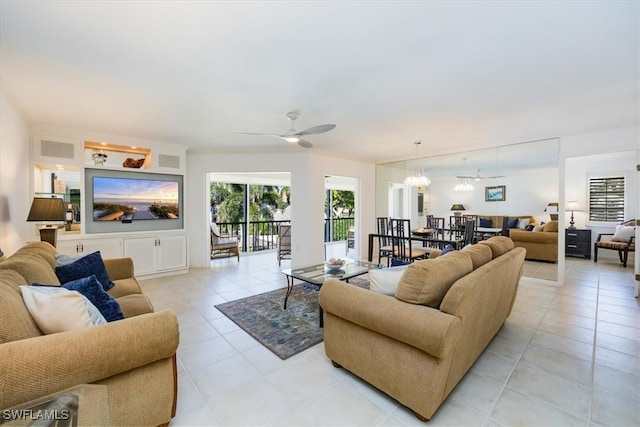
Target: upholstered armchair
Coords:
[(623, 241), (224, 245)]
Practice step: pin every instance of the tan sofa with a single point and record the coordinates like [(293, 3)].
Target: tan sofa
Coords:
[(134, 357), (417, 353), (540, 244)]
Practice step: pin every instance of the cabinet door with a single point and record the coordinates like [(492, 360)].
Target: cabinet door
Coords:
[(109, 248), (143, 251), (172, 252)]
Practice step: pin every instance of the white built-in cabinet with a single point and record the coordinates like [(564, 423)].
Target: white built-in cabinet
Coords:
[(156, 254), (109, 248), (59, 160)]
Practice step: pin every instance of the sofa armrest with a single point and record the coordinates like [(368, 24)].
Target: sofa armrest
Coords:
[(119, 268), (420, 326), (35, 367)]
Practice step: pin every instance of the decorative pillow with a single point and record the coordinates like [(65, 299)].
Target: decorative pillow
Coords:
[(56, 309), (447, 249), (623, 233), (538, 227), (91, 288), (530, 227), (64, 259), (513, 223), (486, 222), (395, 262), (385, 280), (85, 267), (427, 282), (551, 227), (523, 222)]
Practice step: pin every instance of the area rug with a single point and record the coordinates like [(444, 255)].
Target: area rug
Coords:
[(283, 332)]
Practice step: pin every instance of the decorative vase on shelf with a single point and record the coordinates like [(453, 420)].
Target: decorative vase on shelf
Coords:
[(99, 157)]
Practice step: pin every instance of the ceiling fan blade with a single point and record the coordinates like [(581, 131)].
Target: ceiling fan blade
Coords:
[(465, 177), (255, 133), (304, 143), (316, 129)]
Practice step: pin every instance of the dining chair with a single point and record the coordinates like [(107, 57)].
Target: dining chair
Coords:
[(385, 247), (436, 224), (469, 233), (403, 248)]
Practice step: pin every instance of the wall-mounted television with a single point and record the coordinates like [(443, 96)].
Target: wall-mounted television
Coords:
[(119, 201)]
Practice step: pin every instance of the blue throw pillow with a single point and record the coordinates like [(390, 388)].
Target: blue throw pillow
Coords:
[(530, 227), (513, 223), (486, 222), (85, 267), (91, 288), (447, 249), (396, 262)]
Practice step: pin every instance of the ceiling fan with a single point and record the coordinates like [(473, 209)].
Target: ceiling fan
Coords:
[(293, 135), (478, 177)]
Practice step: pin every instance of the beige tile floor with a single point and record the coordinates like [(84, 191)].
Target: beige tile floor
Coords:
[(568, 355)]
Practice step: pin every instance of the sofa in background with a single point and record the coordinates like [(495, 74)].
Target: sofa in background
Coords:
[(135, 357), (417, 345), (541, 243)]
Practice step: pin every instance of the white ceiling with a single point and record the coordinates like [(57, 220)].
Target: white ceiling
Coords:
[(455, 75)]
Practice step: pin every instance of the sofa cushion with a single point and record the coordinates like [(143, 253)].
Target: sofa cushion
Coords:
[(15, 321), (623, 233), (551, 227), (480, 254), (44, 249), (513, 223), (523, 222), (427, 282), (385, 280), (499, 245), (135, 304), (56, 309), (85, 267), (32, 266), (91, 288)]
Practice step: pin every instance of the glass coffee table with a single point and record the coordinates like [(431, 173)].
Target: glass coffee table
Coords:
[(317, 274)]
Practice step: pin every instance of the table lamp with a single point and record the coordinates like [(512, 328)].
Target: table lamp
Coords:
[(47, 209), (572, 205), (457, 209)]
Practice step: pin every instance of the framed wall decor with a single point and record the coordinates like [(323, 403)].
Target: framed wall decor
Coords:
[(495, 194)]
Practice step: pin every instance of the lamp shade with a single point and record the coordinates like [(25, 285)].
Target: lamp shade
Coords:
[(457, 207), (572, 205), (46, 209)]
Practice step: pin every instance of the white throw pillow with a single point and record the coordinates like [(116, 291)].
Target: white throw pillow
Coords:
[(523, 222), (624, 233), (56, 309), (385, 280)]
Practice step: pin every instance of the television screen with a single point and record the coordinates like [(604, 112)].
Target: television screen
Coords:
[(120, 201), (134, 199)]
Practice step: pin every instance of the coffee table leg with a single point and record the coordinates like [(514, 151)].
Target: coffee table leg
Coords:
[(289, 289)]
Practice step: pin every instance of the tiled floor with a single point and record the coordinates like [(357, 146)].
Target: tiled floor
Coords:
[(567, 355)]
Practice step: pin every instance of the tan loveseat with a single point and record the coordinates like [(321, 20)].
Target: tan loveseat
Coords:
[(416, 352), (540, 244), (134, 357)]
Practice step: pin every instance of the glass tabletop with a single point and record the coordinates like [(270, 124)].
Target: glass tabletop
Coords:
[(318, 273)]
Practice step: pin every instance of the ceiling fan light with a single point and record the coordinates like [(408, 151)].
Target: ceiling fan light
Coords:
[(291, 138)]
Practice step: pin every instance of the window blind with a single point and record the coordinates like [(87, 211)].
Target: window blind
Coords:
[(606, 199)]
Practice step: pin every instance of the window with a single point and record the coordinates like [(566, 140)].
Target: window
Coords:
[(606, 199)]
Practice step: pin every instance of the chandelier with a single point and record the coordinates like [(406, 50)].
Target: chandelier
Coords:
[(464, 182), (418, 179)]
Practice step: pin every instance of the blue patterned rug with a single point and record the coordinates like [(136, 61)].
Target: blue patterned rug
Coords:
[(284, 332)]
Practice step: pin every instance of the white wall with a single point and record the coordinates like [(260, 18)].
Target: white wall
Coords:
[(308, 170), (15, 164)]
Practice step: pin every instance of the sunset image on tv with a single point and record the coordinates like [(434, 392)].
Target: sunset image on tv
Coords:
[(124, 199)]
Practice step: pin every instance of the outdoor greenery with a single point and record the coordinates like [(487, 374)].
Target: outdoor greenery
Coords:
[(227, 201)]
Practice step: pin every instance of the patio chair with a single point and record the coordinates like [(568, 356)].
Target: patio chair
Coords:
[(284, 242), (224, 245), (622, 241)]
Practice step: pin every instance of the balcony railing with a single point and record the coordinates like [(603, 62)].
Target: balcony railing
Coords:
[(263, 235)]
